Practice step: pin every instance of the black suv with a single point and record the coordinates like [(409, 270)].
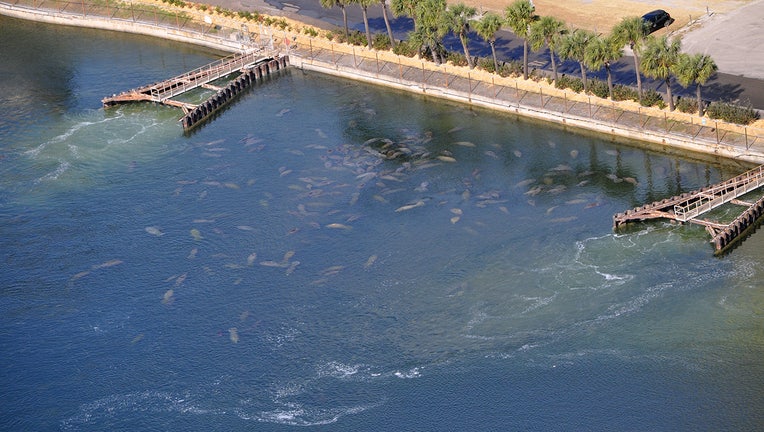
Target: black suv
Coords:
[(656, 20)]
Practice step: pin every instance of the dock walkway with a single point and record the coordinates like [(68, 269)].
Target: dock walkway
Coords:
[(251, 67), (688, 207)]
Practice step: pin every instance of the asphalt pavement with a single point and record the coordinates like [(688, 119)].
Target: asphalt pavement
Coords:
[(734, 40)]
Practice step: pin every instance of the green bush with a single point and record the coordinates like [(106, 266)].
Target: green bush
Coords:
[(356, 37), (732, 113), (565, 81), (687, 105), (513, 68), (310, 31), (486, 63), (406, 48), (652, 98), (456, 59), (623, 93), (599, 88), (249, 16), (381, 41)]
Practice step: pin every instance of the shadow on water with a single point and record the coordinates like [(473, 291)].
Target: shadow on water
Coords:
[(238, 98)]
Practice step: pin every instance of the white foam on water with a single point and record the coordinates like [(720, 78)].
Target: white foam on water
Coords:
[(409, 374), (297, 415), (635, 304), (338, 370), (286, 335), (62, 167), (538, 302), (147, 401)]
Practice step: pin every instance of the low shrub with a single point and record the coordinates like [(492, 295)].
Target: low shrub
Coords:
[(249, 16), (599, 88), (513, 68), (732, 113), (406, 48), (623, 93), (568, 82), (687, 105), (381, 41), (486, 63), (355, 37), (652, 98), (179, 3), (456, 59), (310, 31)]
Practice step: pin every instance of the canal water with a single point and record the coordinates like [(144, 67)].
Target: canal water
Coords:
[(345, 257)]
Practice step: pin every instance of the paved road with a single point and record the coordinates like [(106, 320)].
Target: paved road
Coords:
[(734, 40)]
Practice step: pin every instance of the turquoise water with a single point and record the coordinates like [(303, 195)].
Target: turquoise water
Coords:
[(345, 257)]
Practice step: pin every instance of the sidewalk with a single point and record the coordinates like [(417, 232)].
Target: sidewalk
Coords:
[(669, 132)]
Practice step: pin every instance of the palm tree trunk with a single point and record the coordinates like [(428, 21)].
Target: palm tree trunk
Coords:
[(345, 20), (583, 76), (493, 51), (525, 59), (366, 24), (554, 65), (609, 81), (463, 38), (700, 101), (668, 93), (387, 24), (639, 77)]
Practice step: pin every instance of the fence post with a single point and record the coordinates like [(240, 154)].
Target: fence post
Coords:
[(423, 79), (745, 131), (332, 45), (565, 95), (354, 64), (590, 106), (469, 87), (376, 54), (716, 123), (400, 70), (541, 96), (493, 84), (83, 8)]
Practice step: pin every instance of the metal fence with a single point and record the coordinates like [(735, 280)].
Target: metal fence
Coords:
[(183, 22), (443, 79), (565, 105)]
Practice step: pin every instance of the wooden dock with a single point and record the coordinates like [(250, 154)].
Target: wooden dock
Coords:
[(688, 207), (251, 67)]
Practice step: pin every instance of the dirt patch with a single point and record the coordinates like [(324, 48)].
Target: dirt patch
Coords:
[(601, 15)]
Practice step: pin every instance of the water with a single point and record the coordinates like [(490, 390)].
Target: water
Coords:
[(274, 270)]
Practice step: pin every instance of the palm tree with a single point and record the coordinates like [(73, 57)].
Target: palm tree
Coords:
[(430, 27), (573, 46), (603, 51), (659, 61), (520, 15), (486, 28), (633, 31), (547, 31), (328, 4), (364, 6), (404, 7), (387, 23), (697, 68), (458, 21)]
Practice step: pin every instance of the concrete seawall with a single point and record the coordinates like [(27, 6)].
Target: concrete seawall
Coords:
[(662, 141), (126, 26)]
